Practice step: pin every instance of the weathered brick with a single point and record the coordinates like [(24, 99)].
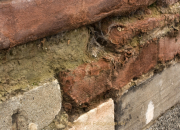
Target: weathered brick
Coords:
[(27, 20), (146, 60), (92, 79), (119, 33), (87, 81), (169, 47)]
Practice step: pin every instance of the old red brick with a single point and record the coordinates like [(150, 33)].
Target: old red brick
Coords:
[(27, 20), (137, 66), (89, 80), (168, 48), (119, 34)]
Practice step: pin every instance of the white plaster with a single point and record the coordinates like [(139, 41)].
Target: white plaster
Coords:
[(150, 112)]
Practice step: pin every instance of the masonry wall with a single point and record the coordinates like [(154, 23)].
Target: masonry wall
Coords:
[(98, 64)]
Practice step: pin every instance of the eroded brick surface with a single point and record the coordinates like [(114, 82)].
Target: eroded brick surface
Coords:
[(23, 21), (126, 62), (87, 81), (126, 59), (137, 66), (169, 47), (92, 79), (119, 33)]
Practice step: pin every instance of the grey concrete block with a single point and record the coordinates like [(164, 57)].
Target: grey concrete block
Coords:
[(33, 110), (144, 103)]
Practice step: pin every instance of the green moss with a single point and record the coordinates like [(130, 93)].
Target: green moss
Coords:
[(28, 65)]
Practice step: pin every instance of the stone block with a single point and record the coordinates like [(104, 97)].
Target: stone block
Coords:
[(33, 110), (100, 118)]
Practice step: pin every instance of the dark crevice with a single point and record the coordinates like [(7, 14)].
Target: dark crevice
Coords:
[(15, 121), (19, 120)]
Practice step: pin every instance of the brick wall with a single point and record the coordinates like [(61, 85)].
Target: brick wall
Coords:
[(111, 64)]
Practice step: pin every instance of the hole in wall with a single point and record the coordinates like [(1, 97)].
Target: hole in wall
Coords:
[(135, 78)]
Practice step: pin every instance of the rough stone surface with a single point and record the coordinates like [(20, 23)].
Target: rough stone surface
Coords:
[(169, 47), (34, 109), (141, 104), (100, 118), (170, 120), (27, 20)]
